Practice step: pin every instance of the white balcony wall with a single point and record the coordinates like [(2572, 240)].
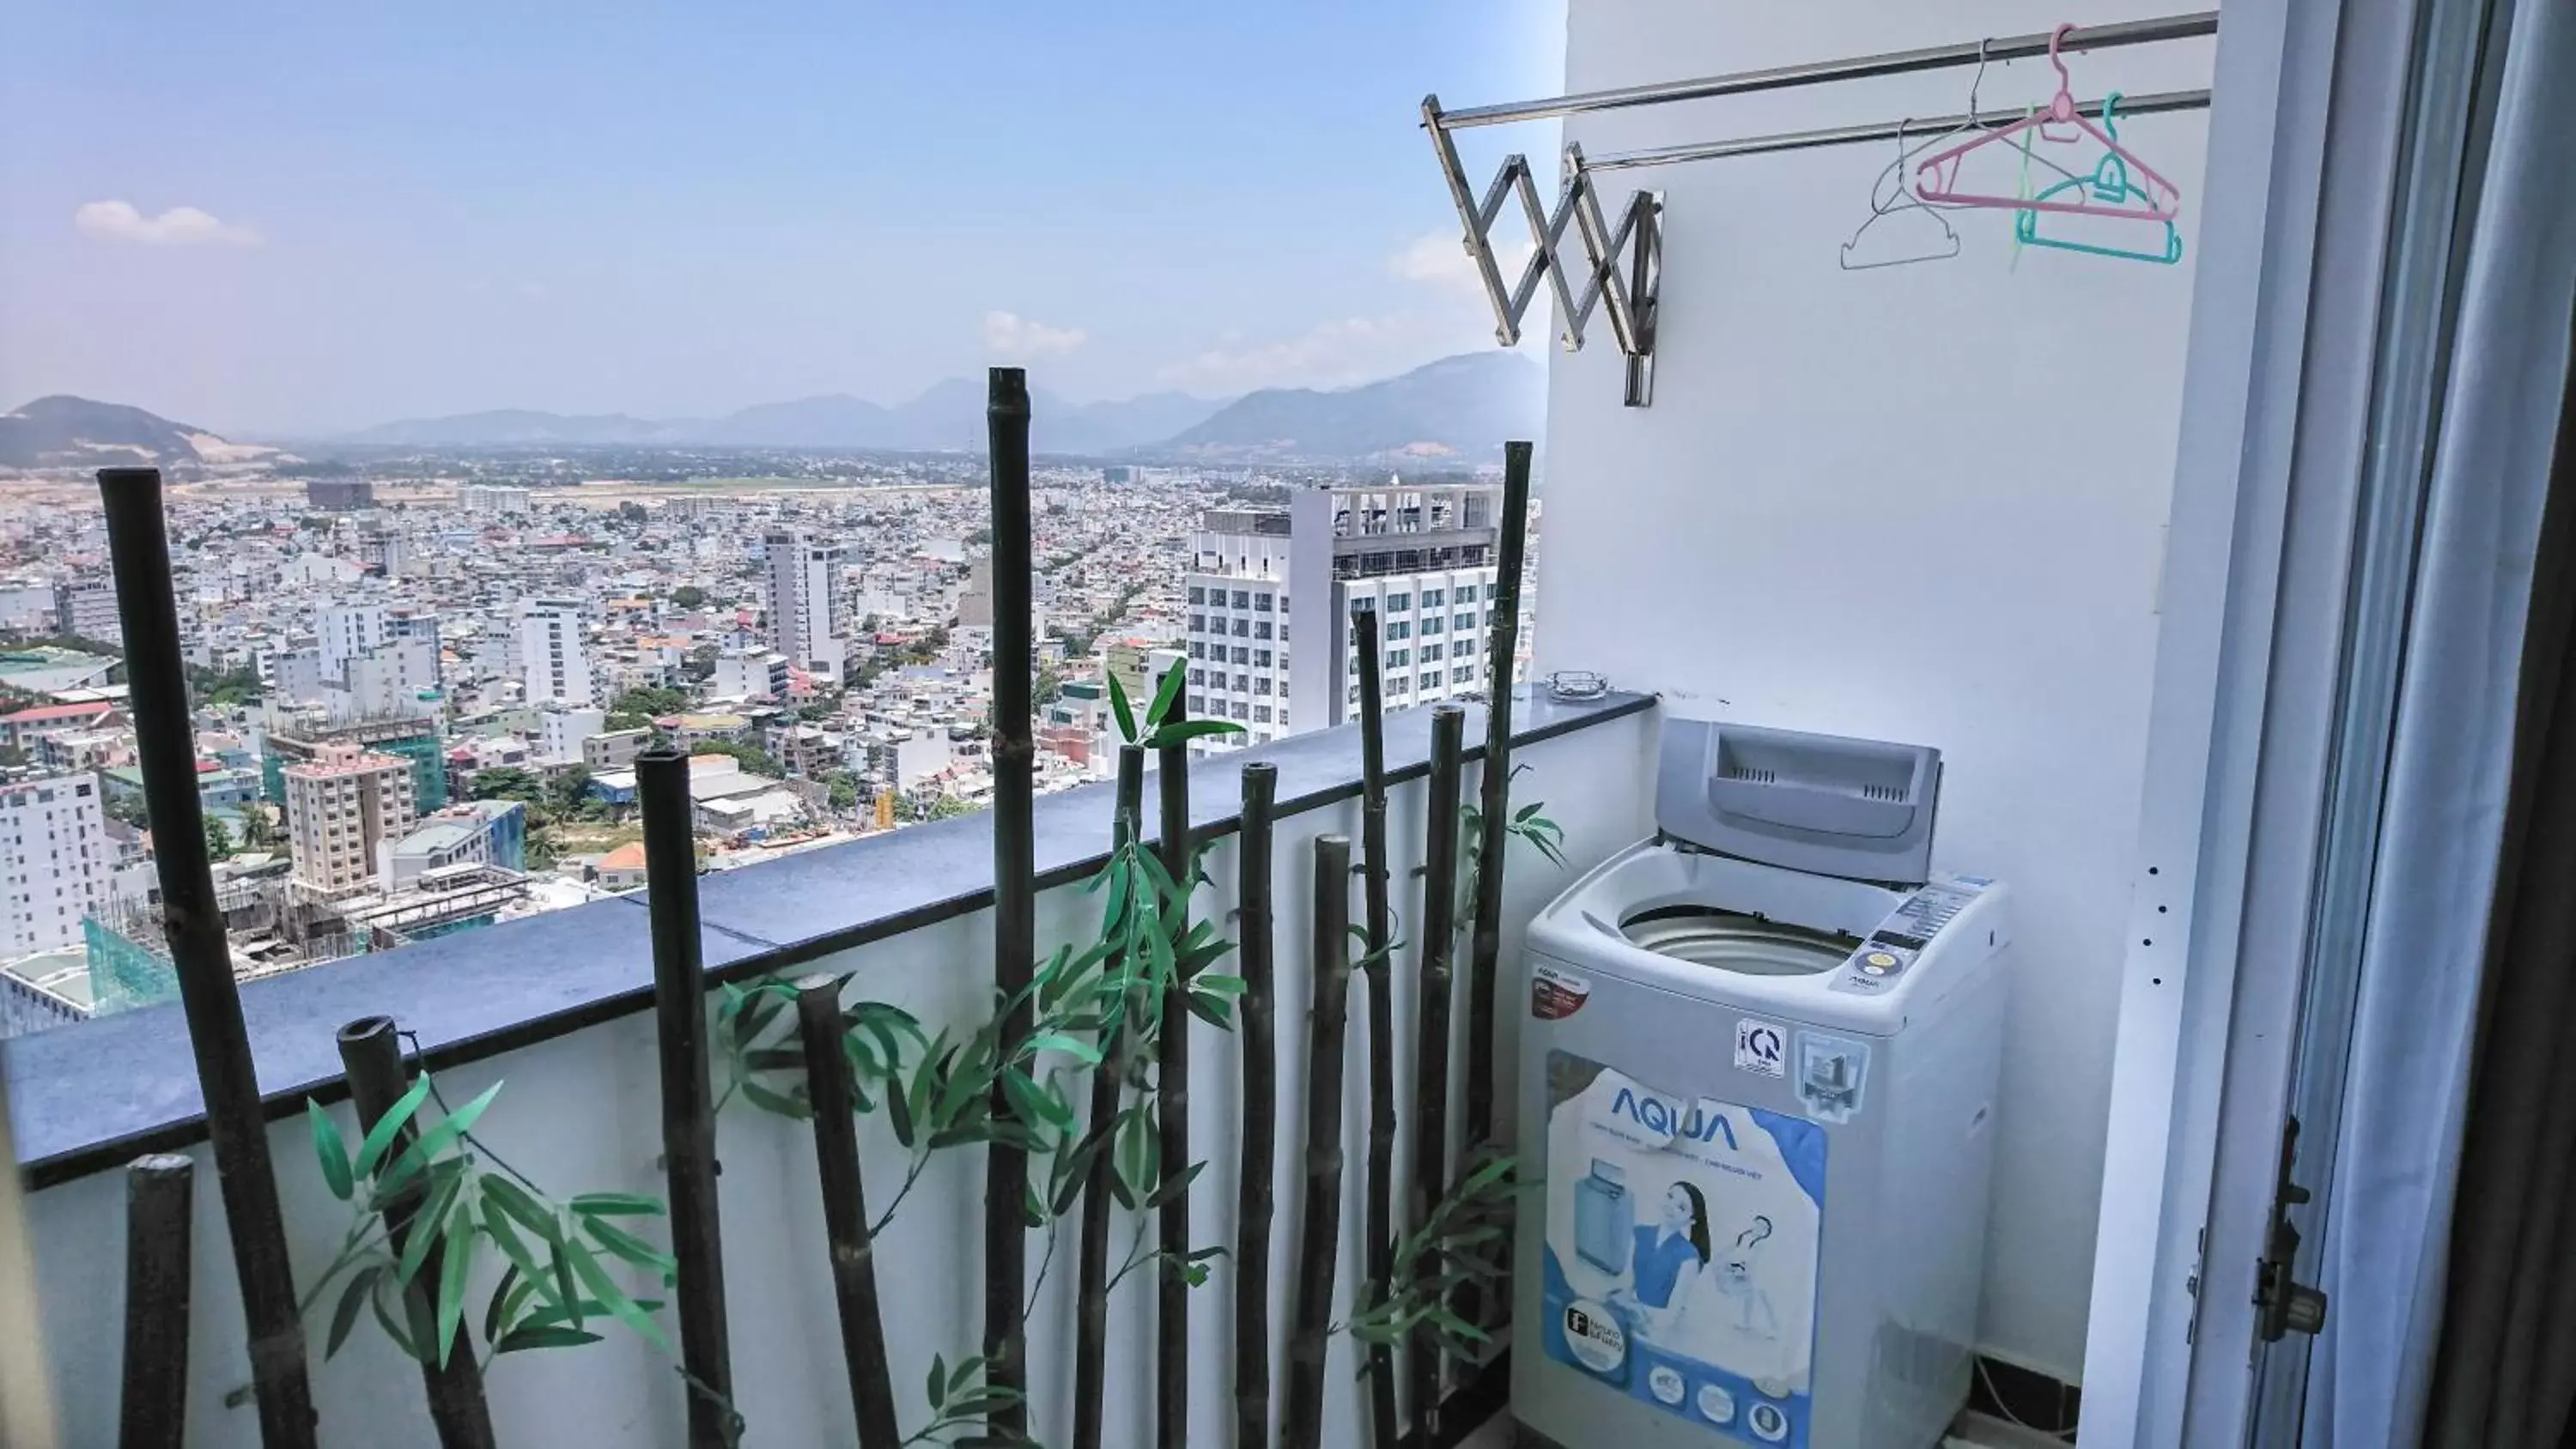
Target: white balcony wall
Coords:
[(580, 1113), (1924, 503)]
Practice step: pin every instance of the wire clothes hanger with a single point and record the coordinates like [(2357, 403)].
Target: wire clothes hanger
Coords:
[(1937, 178), (1889, 194)]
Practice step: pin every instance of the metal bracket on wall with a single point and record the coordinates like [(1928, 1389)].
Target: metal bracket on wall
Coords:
[(1622, 266)]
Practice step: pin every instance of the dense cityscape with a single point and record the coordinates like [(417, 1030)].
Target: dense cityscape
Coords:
[(422, 681)]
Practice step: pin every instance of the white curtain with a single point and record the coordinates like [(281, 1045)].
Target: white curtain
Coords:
[(2450, 765)]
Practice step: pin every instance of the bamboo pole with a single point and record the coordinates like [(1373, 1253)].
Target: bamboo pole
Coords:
[(1320, 1223), (688, 1111), (160, 1194), (1495, 803), (1431, 1110), (1254, 1195), (845, 1211), (138, 544), (1091, 1298), (371, 1059), (1006, 1170), (1379, 1247), (1172, 1100), (1494, 794)]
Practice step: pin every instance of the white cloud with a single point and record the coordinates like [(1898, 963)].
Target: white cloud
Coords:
[(1437, 259), (1018, 339), (1331, 354), (179, 226)]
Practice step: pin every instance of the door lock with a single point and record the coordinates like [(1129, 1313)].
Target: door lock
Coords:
[(2285, 1305)]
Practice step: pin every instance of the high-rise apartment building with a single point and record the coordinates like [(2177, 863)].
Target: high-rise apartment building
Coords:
[(345, 631), (55, 861), (806, 600), (550, 655), (1423, 555), (86, 609), (344, 809), (492, 498)]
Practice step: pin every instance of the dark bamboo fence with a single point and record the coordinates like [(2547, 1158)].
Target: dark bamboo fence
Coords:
[(1378, 1256), (1254, 1196), (1319, 1224), (1172, 1089), (1439, 947), (160, 1224), (138, 544), (1494, 797), (1006, 1172), (688, 1110), (371, 1061), (1091, 1296), (845, 1211)]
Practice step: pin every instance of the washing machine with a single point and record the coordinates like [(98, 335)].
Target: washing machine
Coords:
[(1757, 1084)]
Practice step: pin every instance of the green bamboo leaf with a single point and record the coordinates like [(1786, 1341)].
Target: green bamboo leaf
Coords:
[(1074, 1047), (353, 1297), (561, 1261), (425, 1229), (777, 1103), (937, 1388), (1212, 1010), (1125, 712), (331, 1149), (439, 1138), (402, 1339), (614, 1298), (899, 1112), (1183, 731), (629, 1247), (509, 1197), (507, 1296), (616, 1205), (1219, 985), (381, 1136), (520, 1339), (457, 1239), (1173, 1189), (1164, 698)]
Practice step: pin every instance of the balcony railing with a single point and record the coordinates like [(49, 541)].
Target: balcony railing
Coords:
[(587, 1097)]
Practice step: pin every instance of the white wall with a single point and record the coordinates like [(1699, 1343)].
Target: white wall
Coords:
[(1923, 503), (581, 1114)]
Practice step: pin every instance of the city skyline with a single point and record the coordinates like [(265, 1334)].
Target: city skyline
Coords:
[(299, 224)]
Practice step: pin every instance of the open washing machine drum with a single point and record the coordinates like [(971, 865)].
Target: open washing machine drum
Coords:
[(1732, 941)]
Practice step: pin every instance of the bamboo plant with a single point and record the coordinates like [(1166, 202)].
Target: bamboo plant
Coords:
[(1255, 1198), (1376, 965), (1320, 1224)]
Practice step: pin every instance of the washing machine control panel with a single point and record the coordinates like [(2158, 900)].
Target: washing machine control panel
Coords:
[(1891, 950)]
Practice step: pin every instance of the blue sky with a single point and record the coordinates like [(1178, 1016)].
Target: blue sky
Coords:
[(275, 217)]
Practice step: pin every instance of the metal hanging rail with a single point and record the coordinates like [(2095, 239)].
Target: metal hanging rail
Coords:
[(1623, 267)]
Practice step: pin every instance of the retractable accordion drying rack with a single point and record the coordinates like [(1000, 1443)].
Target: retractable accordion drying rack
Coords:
[(1621, 268)]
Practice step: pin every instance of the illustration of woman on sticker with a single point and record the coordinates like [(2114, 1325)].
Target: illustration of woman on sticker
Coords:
[(1754, 1315), (1666, 1265)]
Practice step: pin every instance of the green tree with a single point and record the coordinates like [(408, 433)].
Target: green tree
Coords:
[(843, 787), (219, 841), (688, 596), (258, 831), (568, 789), (509, 782), (650, 700), (753, 758)]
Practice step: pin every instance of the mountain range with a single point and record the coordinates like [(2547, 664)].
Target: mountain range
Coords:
[(1459, 408), (74, 432)]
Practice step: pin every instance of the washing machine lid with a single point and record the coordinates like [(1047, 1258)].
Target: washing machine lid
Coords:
[(1857, 809)]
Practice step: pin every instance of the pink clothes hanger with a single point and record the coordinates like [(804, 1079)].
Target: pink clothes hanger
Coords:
[(1937, 177)]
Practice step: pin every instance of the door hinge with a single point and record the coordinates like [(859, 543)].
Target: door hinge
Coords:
[(2284, 1305)]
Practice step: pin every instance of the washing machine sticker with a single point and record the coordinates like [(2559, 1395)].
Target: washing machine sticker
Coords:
[(1681, 1250), (1833, 1075), (1556, 993)]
